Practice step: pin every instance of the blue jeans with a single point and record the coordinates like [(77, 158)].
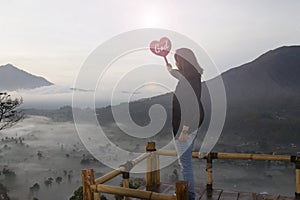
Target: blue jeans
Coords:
[(184, 152)]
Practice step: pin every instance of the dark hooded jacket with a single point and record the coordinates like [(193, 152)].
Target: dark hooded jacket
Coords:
[(187, 108)]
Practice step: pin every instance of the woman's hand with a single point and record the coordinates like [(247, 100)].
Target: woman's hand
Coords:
[(183, 137), (169, 67)]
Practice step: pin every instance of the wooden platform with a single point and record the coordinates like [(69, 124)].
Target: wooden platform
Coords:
[(219, 194)]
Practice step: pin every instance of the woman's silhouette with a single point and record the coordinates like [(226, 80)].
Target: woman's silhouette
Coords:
[(187, 110)]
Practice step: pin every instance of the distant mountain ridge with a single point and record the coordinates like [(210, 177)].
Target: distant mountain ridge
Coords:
[(275, 74), (12, 78)]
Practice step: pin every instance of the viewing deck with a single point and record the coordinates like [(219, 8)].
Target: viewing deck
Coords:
[(156, 190), (218, 194)]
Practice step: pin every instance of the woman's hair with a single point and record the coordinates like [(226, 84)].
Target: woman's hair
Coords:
[(187, 62)]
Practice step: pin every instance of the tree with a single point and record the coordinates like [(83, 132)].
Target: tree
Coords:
[(9, 115), (134, 183), (78, 195), (3, 192)]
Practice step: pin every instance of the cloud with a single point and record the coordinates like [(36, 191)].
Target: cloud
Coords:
[(44, 90)]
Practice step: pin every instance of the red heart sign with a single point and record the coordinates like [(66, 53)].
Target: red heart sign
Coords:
[(161, 47)]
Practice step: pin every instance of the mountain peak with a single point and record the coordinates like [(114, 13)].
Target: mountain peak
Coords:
[(282, 65), (13, 78), (8, 65), (274, 73), (288, 51)]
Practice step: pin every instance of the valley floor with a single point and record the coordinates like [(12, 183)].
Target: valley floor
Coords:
[(50, 155)]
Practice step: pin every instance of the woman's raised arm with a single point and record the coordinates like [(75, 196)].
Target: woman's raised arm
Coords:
[(174, 72)]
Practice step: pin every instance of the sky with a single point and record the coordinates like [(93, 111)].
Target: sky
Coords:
[(53, 38)]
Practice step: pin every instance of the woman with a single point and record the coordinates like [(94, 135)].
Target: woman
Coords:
[(187, 110)]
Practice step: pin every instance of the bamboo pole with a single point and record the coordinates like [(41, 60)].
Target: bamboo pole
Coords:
[(182, 190), (166, 152), (87, 181), (156, 169), (152, 167), (109, 175), (297, 193), (150, 147), (174, 153), (126, 182), (119, 170), (238, 156), (140, 158), (209, 178), (197, 155), (96, 196), (134, 193), (242, 156), (84, 184)]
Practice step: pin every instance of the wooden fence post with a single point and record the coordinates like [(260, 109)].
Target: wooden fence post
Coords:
[(156, 168), (182, 190), (297, 193), (152, 168), (97, 196), (87, 180), (209, 178), (125, 182)]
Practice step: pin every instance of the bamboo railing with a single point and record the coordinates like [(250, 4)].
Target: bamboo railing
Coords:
[(92, 188)]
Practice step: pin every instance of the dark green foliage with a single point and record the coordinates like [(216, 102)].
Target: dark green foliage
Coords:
[(48, 181), (58, 179), (78, 195), (3, 192), (134, 183), (8, 172), (35, 187), (8, 110), (103, 197)]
